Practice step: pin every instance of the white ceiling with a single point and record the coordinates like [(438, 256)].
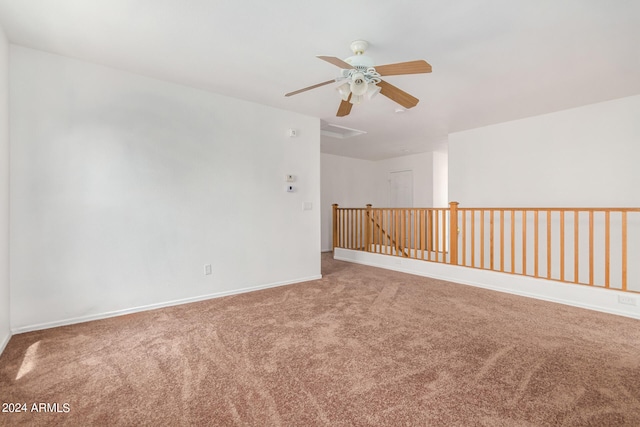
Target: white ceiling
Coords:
[(493, 60)]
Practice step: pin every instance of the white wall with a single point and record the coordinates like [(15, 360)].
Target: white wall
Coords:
[(348, 182), (441, 179), (582, 157), (354, 183), (5, 329), (123, 187), (585, 156)]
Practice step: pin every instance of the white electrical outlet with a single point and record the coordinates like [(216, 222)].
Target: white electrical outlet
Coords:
[(207, 269), (625, 299)]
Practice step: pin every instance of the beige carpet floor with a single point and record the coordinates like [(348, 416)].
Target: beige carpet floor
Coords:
[(361, 347)]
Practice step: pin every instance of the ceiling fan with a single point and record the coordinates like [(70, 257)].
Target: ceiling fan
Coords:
[(361, 80)]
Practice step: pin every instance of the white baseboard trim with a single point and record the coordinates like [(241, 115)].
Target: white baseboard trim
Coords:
[(99, 316), (582, 296), (4, 342)]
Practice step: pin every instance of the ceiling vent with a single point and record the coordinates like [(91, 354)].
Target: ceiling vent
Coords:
[(340, 132)]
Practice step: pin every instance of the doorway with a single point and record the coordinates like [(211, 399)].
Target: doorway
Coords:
[(401, 189)]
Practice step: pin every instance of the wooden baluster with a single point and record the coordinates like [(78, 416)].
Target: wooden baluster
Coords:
[(624, 250), (353, 229), (416, 237), (464, 237), (396, 234), (335, 226), (607, 249), (387, 228), (436, 237), (345, 214), (392, 225), (491, 238), (345, 234), (576, 258), (377, 230), (430, 232), (548, 244), (363, 225), (535, 243), (591, 247), (357, 234), (473, 238), (402, 241), (482, 239), (382, 239), (340, 227), (453, 233), (368, 229), (423, 230), (501, 240), (347, 228), (444, 234), (562, 245), (524, 242), (410, 231), (513, 241)]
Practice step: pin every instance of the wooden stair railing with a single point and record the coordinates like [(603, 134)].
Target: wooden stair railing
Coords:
[(348, 219), (375, 224), (587, 246)]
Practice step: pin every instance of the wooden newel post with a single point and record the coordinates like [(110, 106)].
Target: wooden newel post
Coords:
[(335, 226), (453, 233), (367, 230)]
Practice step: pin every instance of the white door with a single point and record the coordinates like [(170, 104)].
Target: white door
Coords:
[(401, 189)]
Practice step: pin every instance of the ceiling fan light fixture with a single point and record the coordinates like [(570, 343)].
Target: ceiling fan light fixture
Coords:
[(356, 99), (344, 90), (358, 84), (372, 91)]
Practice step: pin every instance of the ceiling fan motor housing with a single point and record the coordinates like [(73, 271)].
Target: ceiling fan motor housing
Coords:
[(359, 60)]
